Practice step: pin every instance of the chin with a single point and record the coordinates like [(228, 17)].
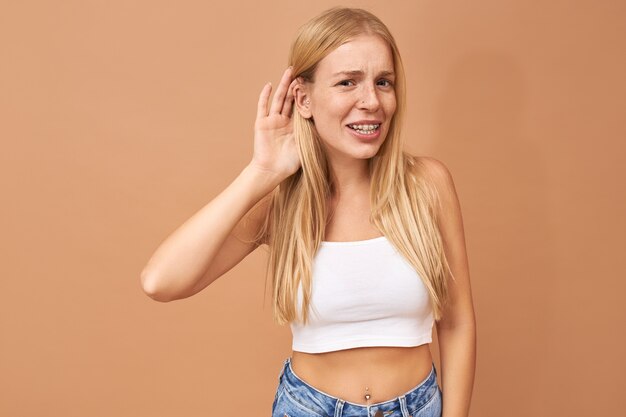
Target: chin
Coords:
[(366, 153)]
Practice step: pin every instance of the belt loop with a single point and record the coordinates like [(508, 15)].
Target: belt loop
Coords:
[(403, 409), (339, 407)]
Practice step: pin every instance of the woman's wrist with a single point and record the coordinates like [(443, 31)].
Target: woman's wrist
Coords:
[(265, 179)]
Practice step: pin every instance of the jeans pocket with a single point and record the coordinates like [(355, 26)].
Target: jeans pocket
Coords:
[(432, 407), (287, 404)]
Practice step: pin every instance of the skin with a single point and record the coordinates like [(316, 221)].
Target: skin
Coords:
[(334, 101)]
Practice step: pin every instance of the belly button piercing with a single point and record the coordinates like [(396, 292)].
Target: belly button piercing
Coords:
[(378, 413)]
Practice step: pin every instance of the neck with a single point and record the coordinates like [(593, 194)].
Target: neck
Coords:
[(350, 179)]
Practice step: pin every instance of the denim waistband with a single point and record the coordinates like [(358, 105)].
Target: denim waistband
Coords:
[(325, 404)]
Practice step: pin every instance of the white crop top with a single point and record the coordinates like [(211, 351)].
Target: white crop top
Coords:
[(363, 293)]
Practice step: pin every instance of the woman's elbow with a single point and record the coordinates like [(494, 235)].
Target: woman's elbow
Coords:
[(152, 287)]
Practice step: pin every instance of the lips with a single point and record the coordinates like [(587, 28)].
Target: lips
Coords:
[(365, 122)]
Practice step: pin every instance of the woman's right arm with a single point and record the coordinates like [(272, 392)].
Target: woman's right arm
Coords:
[(207, 245)]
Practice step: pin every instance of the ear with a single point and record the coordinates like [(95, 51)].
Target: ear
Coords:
[(302, 98)]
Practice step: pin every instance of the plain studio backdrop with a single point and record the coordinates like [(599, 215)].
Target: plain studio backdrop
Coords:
[(120, 119)]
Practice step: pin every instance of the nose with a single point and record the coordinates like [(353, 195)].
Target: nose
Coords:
[(369, 98)]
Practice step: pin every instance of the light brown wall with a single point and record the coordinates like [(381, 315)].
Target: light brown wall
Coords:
[(119, 120)]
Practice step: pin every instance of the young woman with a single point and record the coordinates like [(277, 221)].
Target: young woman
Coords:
[(366, 242)]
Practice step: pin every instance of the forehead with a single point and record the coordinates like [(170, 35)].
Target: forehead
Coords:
[(368, 53)]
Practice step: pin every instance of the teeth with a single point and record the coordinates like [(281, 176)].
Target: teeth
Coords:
[(365, 127)]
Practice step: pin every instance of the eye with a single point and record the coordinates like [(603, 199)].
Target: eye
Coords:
[(343, 83), (389, 83)]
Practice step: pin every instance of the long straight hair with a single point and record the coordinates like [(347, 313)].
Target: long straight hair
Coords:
[(404, 202)]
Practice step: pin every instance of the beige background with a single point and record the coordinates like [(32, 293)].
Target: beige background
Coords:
[(120, 119)]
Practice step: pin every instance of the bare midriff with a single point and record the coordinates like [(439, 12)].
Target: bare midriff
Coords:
[(388, 372)]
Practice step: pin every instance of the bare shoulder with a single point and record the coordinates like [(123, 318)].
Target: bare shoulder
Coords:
[(448, 208), (437, 171)]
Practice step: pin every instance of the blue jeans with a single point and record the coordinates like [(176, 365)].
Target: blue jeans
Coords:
[(296, 398)]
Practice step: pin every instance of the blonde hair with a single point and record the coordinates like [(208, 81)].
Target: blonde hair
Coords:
[(403, 200)]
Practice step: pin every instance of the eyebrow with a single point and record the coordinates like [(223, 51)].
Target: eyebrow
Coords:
[(360, 73)]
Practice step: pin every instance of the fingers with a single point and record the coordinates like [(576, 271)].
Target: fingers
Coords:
[(261, 109), (282, 103), (281, 91), (288, 105)]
